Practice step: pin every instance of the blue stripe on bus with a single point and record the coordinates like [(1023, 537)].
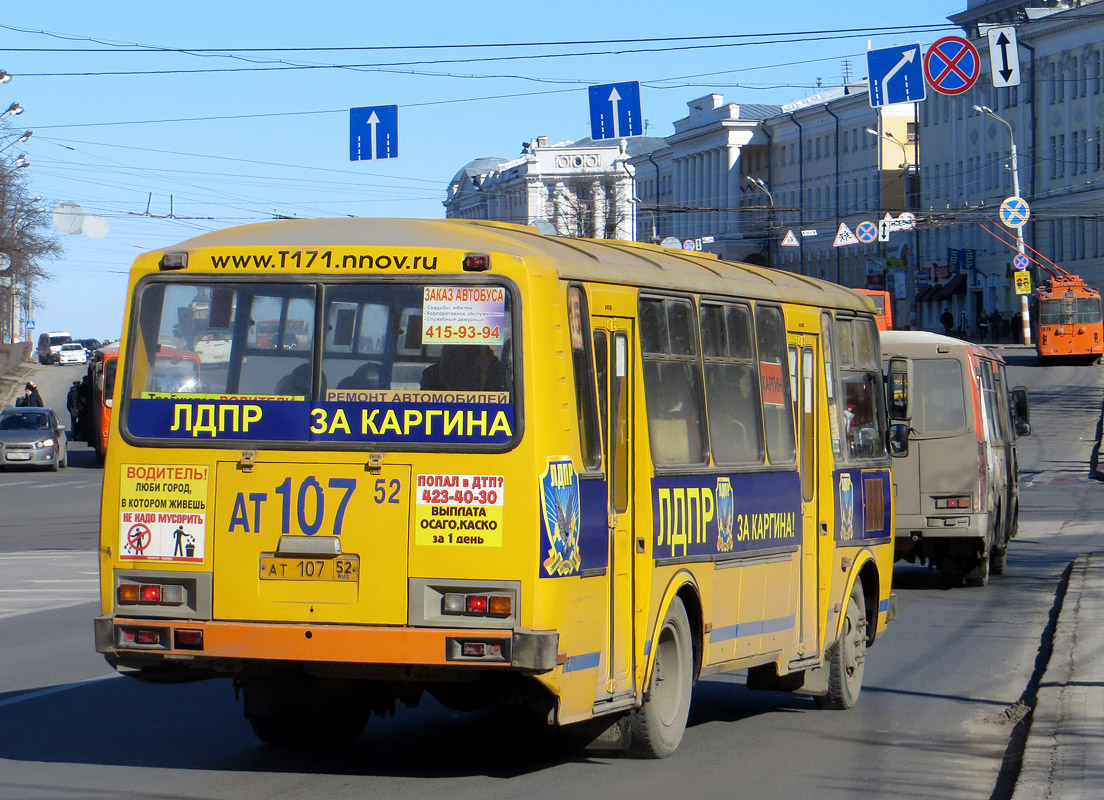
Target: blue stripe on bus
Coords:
[(584, 661), (727, 632), (883, 606)]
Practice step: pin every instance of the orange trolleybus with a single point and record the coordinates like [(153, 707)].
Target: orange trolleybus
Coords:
[(1068, 322)]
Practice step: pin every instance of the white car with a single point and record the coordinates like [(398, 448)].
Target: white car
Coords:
[(72, 353)]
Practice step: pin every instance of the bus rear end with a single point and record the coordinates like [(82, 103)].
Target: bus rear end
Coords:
[(1068, 320), (326, 517)]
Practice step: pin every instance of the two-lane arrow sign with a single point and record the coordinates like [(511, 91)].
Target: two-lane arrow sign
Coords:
[(1004, 56), (373, 133), (615, 110)]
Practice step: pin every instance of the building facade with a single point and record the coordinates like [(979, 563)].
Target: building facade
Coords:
[(1056, 118), (582, 189)]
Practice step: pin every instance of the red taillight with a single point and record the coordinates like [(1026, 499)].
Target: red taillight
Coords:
[(188, 639), (142, 636), (150, 593), (477, 604)]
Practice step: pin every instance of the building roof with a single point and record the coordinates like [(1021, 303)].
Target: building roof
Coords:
[(478, 166), (634, 145)]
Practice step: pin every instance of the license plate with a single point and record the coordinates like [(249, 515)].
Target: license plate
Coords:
[(18, 456), (296, 568)]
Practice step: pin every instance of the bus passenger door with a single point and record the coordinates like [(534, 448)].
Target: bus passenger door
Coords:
[(803, 364), (613, 354)]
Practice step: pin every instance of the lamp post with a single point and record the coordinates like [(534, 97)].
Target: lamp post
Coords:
[(14, 110), (24, 137), (761, 185), (1024, 308)]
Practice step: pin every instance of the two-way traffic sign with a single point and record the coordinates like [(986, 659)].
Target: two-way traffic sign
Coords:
[(373, 133), (895, 75), (1004, 56), (615, 110)]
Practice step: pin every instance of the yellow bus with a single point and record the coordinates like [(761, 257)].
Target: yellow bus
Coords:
[(498, 467)]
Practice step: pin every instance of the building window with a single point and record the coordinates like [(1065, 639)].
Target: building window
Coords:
[(1098, 71), (1061, 155)]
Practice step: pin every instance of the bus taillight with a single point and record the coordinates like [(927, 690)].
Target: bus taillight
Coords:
[(477, 605)]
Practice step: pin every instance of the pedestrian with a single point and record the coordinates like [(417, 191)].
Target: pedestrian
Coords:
[(947, 318), (30, 397), (1017, 327), (983, 326), (72, 402)]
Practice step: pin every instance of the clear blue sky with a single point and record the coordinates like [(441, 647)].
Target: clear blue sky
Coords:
[(235, 147)]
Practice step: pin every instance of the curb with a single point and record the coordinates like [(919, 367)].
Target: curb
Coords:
[(1064, 750)]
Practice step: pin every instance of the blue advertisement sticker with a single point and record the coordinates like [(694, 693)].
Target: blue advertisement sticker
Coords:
[(708, 515)]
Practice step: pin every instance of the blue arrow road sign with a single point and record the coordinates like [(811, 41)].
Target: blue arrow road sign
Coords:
[(373, 133), (615, 110), (896, 74)]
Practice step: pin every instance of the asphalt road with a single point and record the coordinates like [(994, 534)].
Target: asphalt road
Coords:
[(937, 717)]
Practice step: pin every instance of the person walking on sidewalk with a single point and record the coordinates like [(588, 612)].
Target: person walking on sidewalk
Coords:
[(30, 397)]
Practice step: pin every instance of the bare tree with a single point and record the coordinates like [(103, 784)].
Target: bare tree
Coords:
[(592, 207), (27, 239)]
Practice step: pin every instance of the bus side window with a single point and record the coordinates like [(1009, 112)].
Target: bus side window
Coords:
[(770, 335), (583, 367), (672, 381), (731, 385), (827, 332), (860, 376)]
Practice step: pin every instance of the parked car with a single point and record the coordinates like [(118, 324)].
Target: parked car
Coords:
[(32, 437), (90, 345), (72, 353)]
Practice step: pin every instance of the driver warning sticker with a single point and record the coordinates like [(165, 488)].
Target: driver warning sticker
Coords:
[(461, 510), (463, 314), (163, 515)]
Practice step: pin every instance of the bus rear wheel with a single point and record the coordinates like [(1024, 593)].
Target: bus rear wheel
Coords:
[(847, 657), (656, 728)]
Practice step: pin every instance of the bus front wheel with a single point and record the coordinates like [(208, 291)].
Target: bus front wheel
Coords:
[(847, 657), (656, 728)]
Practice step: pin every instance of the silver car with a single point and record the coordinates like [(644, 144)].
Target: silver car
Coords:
[(32, 437)]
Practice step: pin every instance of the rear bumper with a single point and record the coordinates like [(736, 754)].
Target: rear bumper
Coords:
[(941, 526), (227, 646)]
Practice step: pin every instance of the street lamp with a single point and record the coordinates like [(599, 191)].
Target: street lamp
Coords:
[(760, 184), (26, 135), (5, 76), (1024, 309), (14, 110), (20, 162)]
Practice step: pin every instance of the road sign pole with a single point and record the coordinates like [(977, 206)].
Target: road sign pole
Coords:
[(1025, 309)]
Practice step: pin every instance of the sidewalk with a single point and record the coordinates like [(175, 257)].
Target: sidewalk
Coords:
[(1064, 754)]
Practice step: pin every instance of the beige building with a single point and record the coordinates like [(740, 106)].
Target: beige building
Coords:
[(1056, 117)]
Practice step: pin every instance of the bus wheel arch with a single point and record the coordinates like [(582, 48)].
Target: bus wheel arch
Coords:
[(846, 658), (656, 726)]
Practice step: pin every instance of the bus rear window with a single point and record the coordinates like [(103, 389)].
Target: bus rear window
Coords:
[(392, 363), (941, 406)]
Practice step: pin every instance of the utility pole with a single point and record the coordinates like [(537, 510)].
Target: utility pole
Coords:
[(1025, 310)]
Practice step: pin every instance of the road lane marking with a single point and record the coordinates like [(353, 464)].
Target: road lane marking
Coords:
[(35, 694)]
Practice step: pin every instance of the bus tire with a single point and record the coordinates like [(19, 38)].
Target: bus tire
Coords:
[(847, 657), (656, 728), (979, 575), (998, 560)]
